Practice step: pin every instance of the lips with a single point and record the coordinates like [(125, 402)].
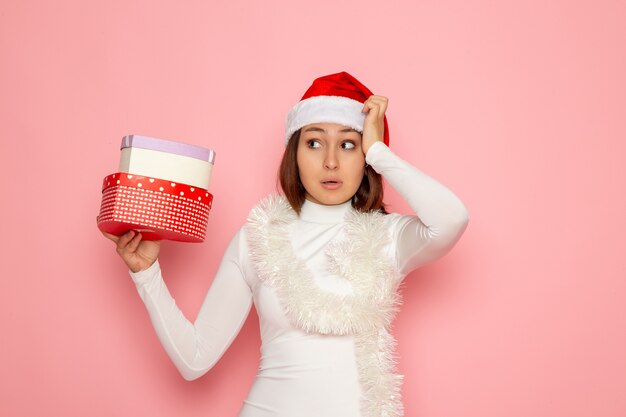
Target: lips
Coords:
[(331, 183)]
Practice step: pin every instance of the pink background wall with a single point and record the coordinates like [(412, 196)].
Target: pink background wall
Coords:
[(519, 107)]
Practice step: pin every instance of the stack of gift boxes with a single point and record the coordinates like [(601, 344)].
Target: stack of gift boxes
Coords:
[(160, 189)]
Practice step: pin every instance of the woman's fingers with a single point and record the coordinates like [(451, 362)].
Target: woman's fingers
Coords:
[(374, 126), (134, 243), (373, 110), (127, 243), (377, 99), (127, 247), (123, 241), (383, 107), (378, 103), (376, 108)]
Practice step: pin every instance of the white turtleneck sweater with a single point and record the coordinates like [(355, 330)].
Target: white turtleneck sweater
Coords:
[(301, 374)]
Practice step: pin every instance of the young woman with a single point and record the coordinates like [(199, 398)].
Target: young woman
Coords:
[(321, 264)]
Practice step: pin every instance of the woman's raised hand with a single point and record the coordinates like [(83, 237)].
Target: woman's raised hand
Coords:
[(137, 253), (374, 125)]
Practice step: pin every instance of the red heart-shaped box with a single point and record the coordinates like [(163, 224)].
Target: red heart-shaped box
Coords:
[(158, 208)]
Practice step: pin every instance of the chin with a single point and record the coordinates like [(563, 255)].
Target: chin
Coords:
[(334, 203), (331, 200)]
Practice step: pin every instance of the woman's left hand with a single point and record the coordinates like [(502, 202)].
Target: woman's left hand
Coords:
[(374, 125)]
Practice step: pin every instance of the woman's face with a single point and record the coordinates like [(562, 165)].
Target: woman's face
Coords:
[(331, 162)]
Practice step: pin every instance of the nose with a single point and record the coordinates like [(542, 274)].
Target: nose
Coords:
[(330, 160)]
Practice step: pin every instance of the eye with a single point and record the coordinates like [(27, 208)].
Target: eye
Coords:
[(348, 145), (313, 143)]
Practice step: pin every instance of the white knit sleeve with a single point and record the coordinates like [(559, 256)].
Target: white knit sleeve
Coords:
[(195, 347), (440, 216)]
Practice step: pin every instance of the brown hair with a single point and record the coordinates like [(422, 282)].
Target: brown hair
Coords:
[(369, 196)]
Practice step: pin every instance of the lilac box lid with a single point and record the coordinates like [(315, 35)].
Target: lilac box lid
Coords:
[(169, 146)]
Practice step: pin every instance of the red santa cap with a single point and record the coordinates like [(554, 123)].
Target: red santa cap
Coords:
[(335, 98)]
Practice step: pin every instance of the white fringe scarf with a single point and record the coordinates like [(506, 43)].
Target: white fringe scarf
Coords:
[(367, 313)]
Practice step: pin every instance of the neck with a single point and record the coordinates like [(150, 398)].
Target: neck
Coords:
[(322, 213)]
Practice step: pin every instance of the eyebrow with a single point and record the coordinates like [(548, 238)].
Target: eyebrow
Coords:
[(319, 129)]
